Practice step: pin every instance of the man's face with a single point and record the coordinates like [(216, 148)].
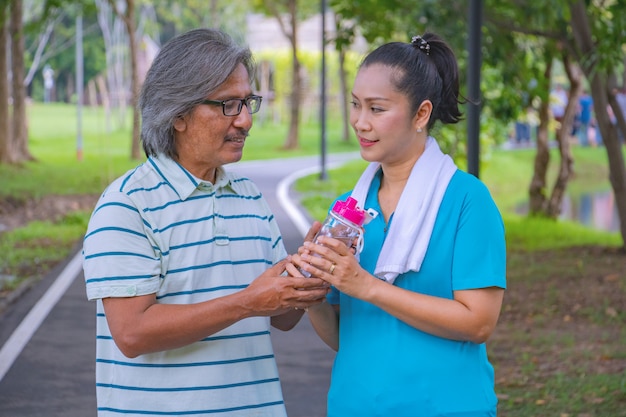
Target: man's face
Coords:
[(206, 139)]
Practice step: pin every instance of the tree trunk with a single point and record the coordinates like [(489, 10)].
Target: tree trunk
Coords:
[(563, 139), (6, 153), (128, 17), (538, 184), (294, 114), (600, 83), (19, 122), (129, 21), (617, 171), (104, 93), (343, 96), (134, 79), (617, 110)]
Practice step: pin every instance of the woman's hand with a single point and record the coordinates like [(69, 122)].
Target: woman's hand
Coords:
[(335, 263)]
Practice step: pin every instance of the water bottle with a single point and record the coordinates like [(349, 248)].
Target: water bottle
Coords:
[(345, 223)]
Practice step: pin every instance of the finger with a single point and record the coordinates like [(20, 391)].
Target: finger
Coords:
[(319, 262), (293, 270), (303, 249), (353, 246), (306, 284), (326, 245), (315, 227), (280, 266), (297, 262)]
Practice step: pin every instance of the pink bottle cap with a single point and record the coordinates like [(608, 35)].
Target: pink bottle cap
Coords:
[(348, 210)]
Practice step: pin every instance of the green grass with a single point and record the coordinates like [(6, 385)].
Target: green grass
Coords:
[(53, 143), (566, 396), (36, 247), (529, 234), (106, 148), (105, 145), (507, 174)]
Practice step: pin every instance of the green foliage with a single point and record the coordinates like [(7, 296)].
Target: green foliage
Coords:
[(60, 52), (311, 66), (507, 174), (303, 9), (609, 29), (174, 17)]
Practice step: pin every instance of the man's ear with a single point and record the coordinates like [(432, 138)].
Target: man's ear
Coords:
[(180, 124)]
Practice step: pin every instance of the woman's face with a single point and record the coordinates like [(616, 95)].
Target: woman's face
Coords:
[(382, 119)]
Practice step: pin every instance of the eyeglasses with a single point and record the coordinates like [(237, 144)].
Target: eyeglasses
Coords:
[(233, 106)]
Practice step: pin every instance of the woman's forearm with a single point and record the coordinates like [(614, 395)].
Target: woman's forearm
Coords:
[(325, 321)]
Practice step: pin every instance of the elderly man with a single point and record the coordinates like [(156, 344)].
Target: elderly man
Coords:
[(185, 259)]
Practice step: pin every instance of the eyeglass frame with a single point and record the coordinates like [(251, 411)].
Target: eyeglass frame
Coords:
[(242, 102)]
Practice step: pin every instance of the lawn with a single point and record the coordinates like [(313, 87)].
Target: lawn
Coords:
[(558, 349), (559, 346)]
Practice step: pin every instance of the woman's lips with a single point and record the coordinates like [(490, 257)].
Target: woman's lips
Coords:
[(366, 142)]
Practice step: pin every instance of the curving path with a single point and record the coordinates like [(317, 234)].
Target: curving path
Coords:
[(47, 339)]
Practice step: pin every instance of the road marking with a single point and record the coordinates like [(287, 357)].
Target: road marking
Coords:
[(303, 224), (282, 193), (23, 333)]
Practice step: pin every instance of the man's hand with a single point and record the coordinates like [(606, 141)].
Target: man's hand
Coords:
[(273, 293)]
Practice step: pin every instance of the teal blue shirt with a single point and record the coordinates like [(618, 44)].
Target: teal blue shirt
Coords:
[(385, 367)]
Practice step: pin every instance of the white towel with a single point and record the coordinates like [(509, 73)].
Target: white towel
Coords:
[(414, 218)]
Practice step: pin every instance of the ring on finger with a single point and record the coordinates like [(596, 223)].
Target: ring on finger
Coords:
[(332, 268)]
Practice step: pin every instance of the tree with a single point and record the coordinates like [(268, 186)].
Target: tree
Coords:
[(57, 49), (20, 130), (520, 41), (532, 22), (344, 38), (599, 47), (175, 16), (6, 154), (288, 13), (14, 137), (13, 119), (596, 49), (127, 14)]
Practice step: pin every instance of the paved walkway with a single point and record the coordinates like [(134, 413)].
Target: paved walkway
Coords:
[(47, 343)]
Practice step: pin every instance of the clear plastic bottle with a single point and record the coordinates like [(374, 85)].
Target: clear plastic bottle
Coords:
[(344, 222)]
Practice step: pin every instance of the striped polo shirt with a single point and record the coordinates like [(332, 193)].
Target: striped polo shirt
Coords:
[(159, 230)]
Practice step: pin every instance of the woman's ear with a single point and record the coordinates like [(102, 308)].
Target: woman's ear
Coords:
[(423, 115)]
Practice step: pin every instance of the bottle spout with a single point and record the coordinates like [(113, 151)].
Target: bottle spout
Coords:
[(349, 210)]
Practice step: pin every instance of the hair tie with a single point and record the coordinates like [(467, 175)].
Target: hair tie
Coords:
[(419, 42)]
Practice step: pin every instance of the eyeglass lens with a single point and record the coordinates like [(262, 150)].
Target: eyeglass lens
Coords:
[(233, 107)]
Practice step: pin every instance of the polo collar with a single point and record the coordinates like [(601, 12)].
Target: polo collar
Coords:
[(183, 182)]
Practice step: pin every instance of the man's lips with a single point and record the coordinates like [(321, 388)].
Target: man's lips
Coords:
[(239, 139), (236, 140)]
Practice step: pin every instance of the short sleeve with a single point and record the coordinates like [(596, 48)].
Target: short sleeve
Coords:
[(480, 248)]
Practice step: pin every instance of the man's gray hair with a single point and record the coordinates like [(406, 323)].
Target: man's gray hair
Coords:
[(186, 70)]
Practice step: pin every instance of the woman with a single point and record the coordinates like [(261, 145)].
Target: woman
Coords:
[(410, 314)]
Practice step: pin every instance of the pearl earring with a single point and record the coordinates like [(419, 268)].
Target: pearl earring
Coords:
[(419, 130)]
